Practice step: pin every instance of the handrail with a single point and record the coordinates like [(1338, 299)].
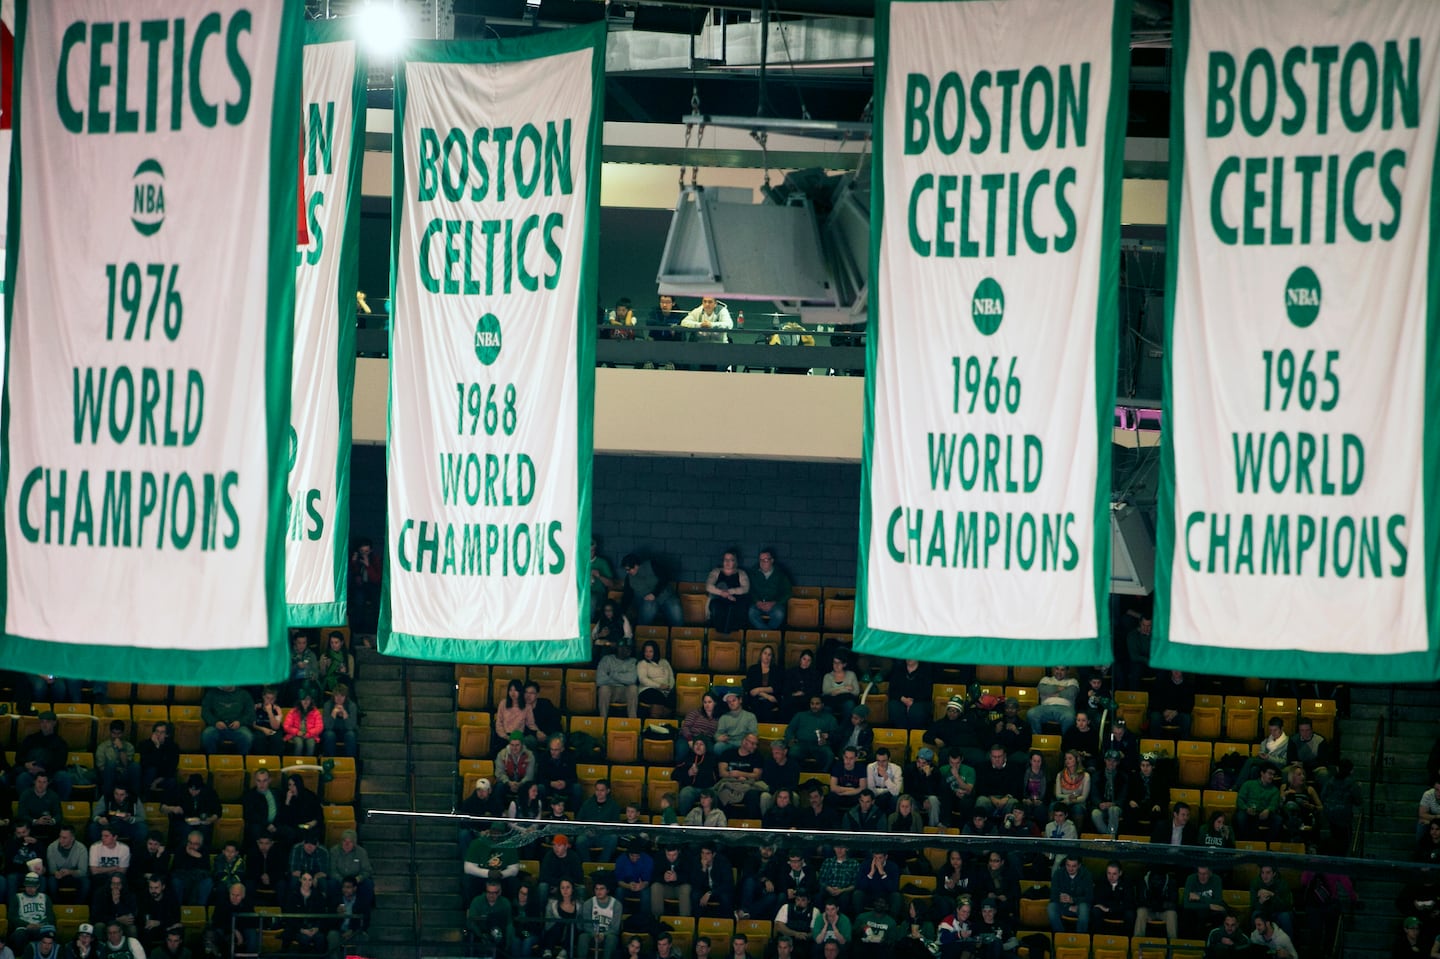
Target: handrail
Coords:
[(414, 829), (1377, 772)]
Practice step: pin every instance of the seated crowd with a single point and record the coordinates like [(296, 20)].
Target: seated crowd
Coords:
[(795, 748), (154, 870)]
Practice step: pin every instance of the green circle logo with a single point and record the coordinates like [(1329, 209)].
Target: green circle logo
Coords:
[(987, 307), (487, 339), (1302, 297), (147, 206)]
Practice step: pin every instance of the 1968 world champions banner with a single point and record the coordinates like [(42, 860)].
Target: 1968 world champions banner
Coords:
[(495, 242)]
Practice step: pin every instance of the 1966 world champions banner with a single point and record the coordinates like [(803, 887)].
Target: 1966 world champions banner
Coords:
[(496, 202), (984, 529)]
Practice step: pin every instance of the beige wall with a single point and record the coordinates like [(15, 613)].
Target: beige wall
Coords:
[(678, 413)]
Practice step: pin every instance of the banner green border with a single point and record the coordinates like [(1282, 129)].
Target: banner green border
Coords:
[(1360, 666), (991, 649), (564, 649), (335, 614), (180, 665)]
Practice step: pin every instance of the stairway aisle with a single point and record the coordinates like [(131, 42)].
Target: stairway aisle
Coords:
[(409, 765), (1411, 718)]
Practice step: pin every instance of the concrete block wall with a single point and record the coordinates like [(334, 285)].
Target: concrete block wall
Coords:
[(684, 512)]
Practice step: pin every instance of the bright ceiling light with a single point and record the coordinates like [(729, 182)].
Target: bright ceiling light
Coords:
[(382, 27)]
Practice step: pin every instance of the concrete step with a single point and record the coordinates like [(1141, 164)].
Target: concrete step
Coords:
[(443, 687), (389, 701), (430, 769), (436, 704), (436, 735)]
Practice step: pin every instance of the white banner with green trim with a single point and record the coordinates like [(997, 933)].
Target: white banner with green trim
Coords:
[(496, 218), (1301, 464), (323, 380), (995, 232), (150, 289)]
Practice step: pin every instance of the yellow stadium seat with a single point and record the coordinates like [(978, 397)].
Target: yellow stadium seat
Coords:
[(1160, 747), (472, 769), (186, 695), (1242, 718), (1027, 675), (68, 920), (1321, 713), (659, 751), (1109, 947), (659, 780), (690, 689), (992, 675), (1071, 945), (1191, 798), (341, 787), (1205, 719), (272, 928), (580, 692), (757, 639), (1220, 800), (1192, 760), (550, 680), (622, 740), (589, 725), (473, 693), (76, 725), (194, 763), (1132, 707), (757, 933), (75, 813), (227, 777), (146, 716), (337, 820), (687, 653), (188, 726), (808, 592), (894, 740), (475, 737), (103, 714), (627, 784), (1033, 913), (694, 611), (1283, 709), (840, 615), (231, 824), (802, 612), (718, 929), (1149, 947), (588, 775), (151, 693), (723, 653)]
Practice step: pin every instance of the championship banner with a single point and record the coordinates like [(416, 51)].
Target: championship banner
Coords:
[(497, 196), (995, 240), (1300, 465), (323, 379), (150, 292)]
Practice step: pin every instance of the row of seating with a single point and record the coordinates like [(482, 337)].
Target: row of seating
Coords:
[(230, 774), (643, 786), (83, 727), (231, 824)]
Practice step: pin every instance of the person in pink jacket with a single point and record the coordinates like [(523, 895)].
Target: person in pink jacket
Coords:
[(304, 725)]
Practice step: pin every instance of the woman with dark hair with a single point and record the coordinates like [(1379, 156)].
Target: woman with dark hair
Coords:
[(611, 628), (801, 682), (509, 715), (337, 664), (840, 688), (299, 810), (729, 589), (657, 681), (305, 724), (764, 687), (700, 723)]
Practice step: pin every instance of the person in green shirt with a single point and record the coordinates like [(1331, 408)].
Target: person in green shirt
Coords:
[(602, 577), (769, 592), (876, 931), (1202, 903), (489, 919), (1258, 804), (831, 925)]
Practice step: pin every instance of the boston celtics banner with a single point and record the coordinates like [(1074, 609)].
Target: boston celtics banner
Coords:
[(323, 379), (1301, 462), (995, 247), (497, 184), (150, 290)]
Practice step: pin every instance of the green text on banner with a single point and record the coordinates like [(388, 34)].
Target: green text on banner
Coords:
[(497, 183), (995, 243), (317, 533), (1297, 522), (150, 287)]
